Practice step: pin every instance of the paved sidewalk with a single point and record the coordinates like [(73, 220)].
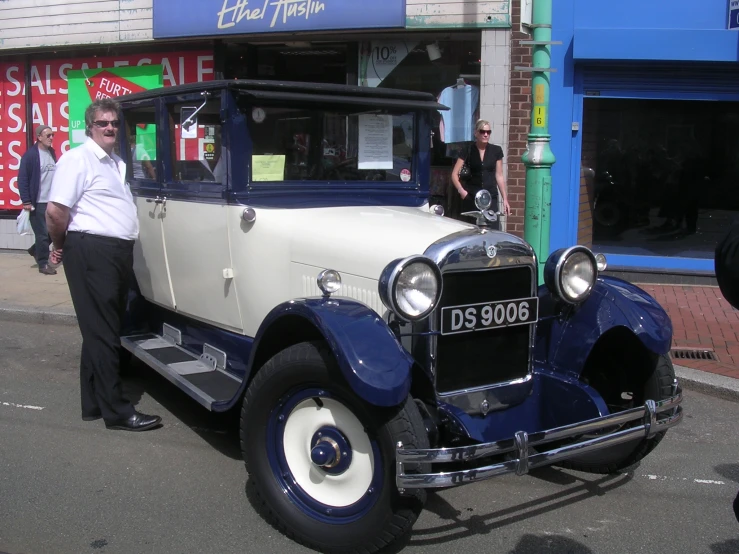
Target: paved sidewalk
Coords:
[(27, 294), (701, 318)]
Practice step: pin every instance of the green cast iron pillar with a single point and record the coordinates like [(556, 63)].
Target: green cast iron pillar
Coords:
[(538, 157)]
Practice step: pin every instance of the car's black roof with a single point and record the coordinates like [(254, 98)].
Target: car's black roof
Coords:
[(290, 90)]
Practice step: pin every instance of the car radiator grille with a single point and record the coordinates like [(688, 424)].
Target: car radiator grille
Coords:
[(480, 358)]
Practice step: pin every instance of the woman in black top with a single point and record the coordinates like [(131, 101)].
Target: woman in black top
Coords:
[(485, 161)]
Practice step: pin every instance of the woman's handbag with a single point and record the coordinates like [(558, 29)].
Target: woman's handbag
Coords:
[(464, 171)]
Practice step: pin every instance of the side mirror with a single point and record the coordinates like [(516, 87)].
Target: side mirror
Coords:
[(437, 209), (189, 122)]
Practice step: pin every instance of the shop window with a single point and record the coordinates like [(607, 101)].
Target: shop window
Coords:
[(448, 69), (661, 175), (197, 151), (315, 145), (141, 132)]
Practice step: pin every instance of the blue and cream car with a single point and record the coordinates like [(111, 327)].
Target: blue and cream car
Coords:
[(289, 267)]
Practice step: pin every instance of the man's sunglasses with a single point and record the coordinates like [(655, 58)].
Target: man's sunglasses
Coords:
[(100, 124), (484, 132), (50, 135)]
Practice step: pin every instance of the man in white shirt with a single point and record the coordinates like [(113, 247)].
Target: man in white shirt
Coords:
[(92, 217)]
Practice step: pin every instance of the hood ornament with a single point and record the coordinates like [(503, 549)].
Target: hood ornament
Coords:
[(484, 407)]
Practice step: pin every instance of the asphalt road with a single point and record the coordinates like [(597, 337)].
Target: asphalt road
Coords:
[(67, 486)]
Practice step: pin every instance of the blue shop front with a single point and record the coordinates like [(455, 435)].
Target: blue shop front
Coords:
[(644, 117)]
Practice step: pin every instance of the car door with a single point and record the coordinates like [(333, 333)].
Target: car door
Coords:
[(143, 172), (194, 213)]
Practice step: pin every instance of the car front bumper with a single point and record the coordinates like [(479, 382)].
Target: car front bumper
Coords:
[(524, 448)]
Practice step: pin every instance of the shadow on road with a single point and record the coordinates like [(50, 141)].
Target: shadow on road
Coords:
[(532, 544), (727, 547), (728, 471), (219, 430), (459, 527)]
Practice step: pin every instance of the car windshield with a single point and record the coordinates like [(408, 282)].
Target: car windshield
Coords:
[(304, 144)]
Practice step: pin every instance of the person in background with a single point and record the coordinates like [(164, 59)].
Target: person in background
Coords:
[(92, 220), (34, 183), (485, 161)]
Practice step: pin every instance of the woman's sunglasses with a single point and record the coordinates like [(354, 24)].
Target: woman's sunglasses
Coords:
[(484, 132)]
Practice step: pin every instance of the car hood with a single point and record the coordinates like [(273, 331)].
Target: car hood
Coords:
[(362, 240)]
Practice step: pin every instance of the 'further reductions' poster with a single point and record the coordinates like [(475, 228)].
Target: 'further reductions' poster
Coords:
[(86, 86)]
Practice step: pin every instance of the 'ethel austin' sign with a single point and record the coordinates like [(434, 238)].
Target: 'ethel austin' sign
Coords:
[(182, 18)]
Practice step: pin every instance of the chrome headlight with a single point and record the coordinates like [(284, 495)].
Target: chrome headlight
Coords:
[(411, 287), (570, 273), (483, 199)]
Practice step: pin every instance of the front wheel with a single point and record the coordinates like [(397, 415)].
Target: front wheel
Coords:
[(619, 397), (321, 460)]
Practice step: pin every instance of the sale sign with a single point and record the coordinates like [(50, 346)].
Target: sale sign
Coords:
[(49, 93), (12, 133), (86, 86)]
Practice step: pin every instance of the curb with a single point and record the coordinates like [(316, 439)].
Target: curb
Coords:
[(708, 383), (24, 315)]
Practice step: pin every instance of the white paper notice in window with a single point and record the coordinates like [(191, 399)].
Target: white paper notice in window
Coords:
[(375, 141)]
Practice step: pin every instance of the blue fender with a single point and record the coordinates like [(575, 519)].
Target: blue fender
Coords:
[(370, 357), (566, 344)]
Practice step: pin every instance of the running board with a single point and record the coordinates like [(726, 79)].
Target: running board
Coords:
[(204, 378)]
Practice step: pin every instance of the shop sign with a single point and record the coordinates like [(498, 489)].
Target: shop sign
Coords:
[(85, 86), (733, 14), (49, 91), (185, 18)]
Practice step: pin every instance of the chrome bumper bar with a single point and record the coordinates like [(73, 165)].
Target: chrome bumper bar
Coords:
[(522, 443)]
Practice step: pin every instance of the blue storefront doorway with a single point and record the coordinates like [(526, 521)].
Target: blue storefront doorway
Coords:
[(659, 144)]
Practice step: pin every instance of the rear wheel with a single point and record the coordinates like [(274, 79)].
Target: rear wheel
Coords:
[(619, 396), (321, 460)]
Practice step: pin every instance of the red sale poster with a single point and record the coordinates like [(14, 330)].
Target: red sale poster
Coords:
[(12, 133), (51, 105)]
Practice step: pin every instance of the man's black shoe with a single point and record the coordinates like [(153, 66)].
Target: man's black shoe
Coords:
[(93, 416), (46, 270), (32, 250), (137, 422)]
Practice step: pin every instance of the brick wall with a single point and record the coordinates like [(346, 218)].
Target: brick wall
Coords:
[(585, 214), (519, 121), (588, 161)]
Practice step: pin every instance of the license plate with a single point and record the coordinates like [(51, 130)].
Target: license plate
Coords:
[(488, 315)]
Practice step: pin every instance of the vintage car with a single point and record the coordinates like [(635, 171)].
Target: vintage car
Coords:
[(289, 266)]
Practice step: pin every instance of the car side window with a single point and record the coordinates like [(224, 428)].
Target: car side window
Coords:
[(197, 151), (141, 133)]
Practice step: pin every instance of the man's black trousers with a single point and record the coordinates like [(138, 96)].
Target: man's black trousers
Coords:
[(99, 271)]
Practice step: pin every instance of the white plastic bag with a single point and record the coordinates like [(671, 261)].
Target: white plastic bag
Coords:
[(23, 223)]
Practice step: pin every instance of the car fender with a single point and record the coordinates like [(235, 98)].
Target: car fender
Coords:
[(369, 355), (565, 343)]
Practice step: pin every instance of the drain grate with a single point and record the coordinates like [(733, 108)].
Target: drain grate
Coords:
[(687, 354)]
